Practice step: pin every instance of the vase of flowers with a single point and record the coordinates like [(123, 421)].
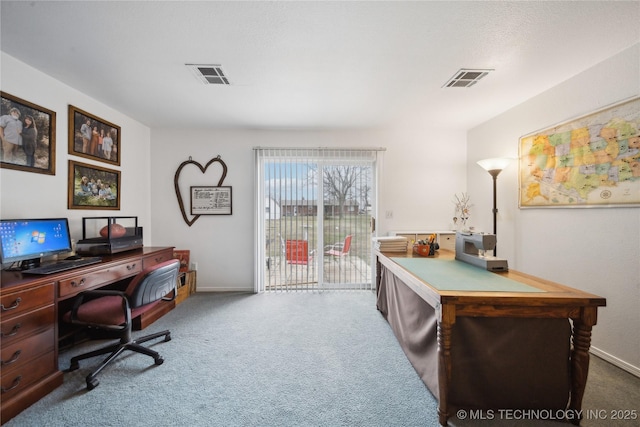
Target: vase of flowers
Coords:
[(461, 212)]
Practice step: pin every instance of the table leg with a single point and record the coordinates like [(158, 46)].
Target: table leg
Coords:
[(581, 338), (446, 319)]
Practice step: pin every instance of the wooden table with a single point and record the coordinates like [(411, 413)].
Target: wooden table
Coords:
[(548, 300), (30, 311)]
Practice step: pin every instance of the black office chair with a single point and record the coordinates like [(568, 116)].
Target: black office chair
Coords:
[(114, 310)]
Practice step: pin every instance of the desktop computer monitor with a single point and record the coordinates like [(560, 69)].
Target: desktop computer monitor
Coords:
[(28, 240)]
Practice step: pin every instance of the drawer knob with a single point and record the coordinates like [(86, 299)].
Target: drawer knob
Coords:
[(13, 331), (15, 357), (77, 284), (13, 306), (15, 384), (131, 267)]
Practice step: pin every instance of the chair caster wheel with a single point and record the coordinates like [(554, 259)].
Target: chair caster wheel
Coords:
[(73, 366), (167, 338), (159, 360), (93, 383)]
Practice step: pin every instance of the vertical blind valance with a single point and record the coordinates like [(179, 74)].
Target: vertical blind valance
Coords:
[(320, 153)]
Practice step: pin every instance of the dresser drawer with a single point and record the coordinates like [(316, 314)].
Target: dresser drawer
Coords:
[(23, 351), (19, 378), (18, 327), (157, 258), (16, 303), (82, 282)]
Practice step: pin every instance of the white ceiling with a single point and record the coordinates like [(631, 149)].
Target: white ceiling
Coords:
[(314, 65)]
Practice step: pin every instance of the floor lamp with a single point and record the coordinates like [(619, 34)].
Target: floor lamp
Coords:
[(494, 167)]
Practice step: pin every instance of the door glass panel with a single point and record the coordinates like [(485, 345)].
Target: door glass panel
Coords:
[(294, 211)]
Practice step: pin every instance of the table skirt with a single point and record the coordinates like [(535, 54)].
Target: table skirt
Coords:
[(497, 363)]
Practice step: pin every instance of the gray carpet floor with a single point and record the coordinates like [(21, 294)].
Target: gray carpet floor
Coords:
[(285, 359)]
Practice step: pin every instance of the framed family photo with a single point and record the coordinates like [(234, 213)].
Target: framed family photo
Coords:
[(28, 134), (93, 187), (92, 137)]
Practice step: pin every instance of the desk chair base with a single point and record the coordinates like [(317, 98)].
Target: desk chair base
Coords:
[(116, 349)]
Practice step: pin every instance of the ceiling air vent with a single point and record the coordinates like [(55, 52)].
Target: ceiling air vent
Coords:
[(209, 74), (466, 77)]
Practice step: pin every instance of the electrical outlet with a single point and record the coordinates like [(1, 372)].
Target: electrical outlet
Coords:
[(388, 214), (194, 266)]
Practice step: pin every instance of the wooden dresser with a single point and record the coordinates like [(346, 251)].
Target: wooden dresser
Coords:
[(29, 327)]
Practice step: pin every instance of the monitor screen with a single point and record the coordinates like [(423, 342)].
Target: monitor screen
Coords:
[(30, 239)]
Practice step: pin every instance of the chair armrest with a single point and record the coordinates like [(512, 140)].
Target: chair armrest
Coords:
[(335, 247), (173, 296)]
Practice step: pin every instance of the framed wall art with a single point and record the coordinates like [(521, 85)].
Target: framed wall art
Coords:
[(93, 187), (183, 255), (92, 137), (210, 200), (28, 135), (591, 161)]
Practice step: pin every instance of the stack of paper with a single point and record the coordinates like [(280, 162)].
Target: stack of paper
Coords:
[(391, 243)]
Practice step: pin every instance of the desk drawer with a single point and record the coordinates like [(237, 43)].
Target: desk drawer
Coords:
[(16, 303), (23, 351), (17, 380), (18, 327), (79, 283), (157, 258)]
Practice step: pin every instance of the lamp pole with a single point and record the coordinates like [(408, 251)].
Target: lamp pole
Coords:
[(494, 167), (494, 174)]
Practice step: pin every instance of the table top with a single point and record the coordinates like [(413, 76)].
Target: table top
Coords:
[(442, 279), (12, 279), (446, 274)]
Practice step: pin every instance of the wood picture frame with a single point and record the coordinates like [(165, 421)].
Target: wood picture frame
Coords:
[(33, 149), (183, 255), (209, 200), (89, 137), (93, 187)]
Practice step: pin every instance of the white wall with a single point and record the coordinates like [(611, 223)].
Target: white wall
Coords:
[(596, 250), (413, 167), (26, 194), (592, 249)]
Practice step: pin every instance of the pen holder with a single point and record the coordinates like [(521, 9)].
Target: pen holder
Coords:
[(426, 250)]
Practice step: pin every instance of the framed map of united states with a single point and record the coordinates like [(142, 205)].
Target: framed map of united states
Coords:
[(590, 161)]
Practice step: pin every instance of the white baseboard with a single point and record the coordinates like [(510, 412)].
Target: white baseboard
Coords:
[(633, 370), (218, 289)]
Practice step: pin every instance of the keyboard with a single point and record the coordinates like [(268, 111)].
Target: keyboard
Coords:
[(63, 265)]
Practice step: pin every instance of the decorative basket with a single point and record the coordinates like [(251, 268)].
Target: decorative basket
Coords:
[(425, 250)]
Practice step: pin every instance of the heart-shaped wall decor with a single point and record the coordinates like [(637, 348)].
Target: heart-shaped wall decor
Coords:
[(203, 169)]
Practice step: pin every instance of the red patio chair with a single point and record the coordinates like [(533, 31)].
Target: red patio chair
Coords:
[(297, 252), (338, 250)]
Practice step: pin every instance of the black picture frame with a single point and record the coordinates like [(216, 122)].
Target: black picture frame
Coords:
[(34, 148)]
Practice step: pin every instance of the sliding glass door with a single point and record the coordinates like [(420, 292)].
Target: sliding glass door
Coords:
[(314, 216)]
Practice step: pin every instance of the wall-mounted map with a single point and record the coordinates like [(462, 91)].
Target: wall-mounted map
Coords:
[(590, 161)]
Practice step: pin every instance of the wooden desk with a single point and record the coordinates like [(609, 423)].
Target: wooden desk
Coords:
[(548, 301), (29, 328)]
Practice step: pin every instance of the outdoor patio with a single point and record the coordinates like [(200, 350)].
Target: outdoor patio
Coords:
[(347, 272)]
